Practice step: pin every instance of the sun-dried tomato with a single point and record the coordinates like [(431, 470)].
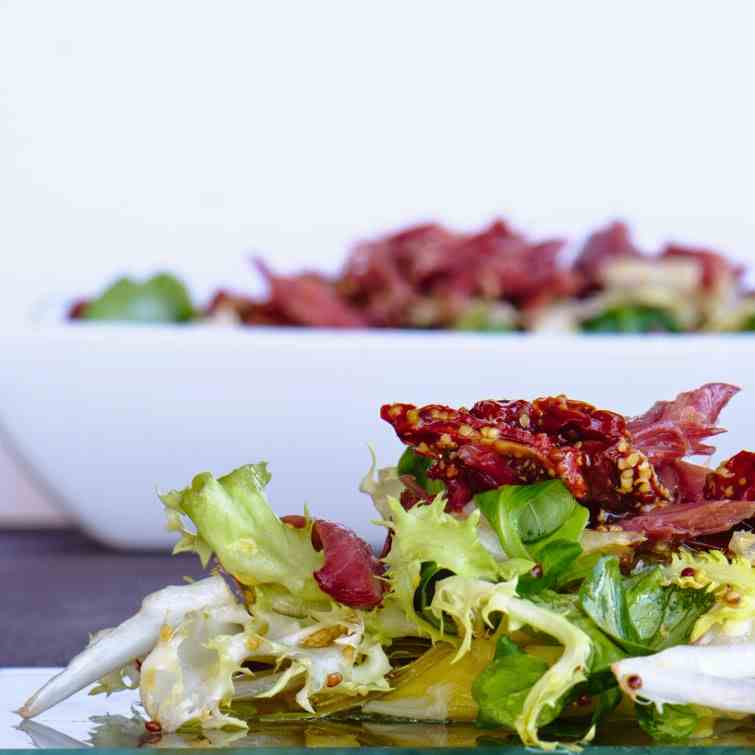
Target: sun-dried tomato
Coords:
[(733, 478)]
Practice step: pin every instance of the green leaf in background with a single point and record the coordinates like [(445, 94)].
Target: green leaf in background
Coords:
[(632, 319), (486, 317), (674, 724), (639, 612), (503, 686), (162, 298), (527, 518), (415, 465), (553, 561)]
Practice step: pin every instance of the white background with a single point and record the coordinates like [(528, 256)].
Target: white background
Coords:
[(187, 135)]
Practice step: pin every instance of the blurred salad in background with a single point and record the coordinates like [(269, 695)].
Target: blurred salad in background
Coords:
[(496, 280)]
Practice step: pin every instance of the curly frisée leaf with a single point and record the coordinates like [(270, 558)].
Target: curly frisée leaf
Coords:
[(189, 673), (730, 581), (381, 485), (462, 599), (428, 534), (234, 520), (743, 544), (328, 654)]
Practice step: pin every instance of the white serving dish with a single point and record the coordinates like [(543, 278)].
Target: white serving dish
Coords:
[(105, 415)]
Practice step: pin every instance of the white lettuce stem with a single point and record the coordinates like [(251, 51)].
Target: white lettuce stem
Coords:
[(715, 676), (132, 639)]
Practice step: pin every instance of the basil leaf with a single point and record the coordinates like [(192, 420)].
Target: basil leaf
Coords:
[(554, 560), (570, 531), (502, 687), (675, 723), (604, 651), (162, 298), (602, 598), (632, 319), (580, 569), (542, 507), (527, 518), (505, 646), (639, 612)]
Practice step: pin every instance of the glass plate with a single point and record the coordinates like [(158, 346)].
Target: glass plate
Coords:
[(117, 723)]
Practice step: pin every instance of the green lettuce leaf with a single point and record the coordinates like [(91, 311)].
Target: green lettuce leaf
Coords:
[(673, 724), (234, 520), (528, 518), (483, 316), (162, 298), (641, 613)]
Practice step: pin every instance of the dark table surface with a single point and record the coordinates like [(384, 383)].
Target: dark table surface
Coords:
[(58, 586)]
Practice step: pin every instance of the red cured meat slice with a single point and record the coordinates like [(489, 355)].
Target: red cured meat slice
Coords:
[(351, 573), (674, 429)]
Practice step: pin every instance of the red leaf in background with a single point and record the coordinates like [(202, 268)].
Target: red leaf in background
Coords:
[(77, 309), (734, 478), (685, 521), (386, 278), (426, 276), (609, 243), (225, 304), (674, 429), (716, 269), (309, 299), (351, 573)]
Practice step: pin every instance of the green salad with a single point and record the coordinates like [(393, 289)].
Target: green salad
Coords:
[(548, 569)]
